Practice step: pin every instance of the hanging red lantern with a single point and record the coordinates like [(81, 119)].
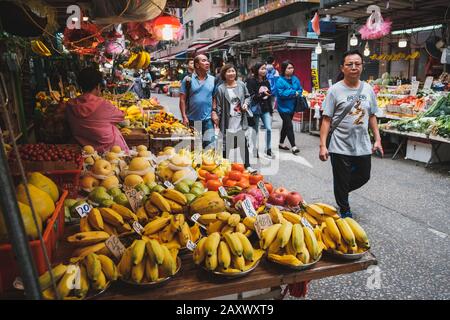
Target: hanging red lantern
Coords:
[(167, 28)]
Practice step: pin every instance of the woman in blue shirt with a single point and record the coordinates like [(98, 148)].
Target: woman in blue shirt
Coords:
[(288, 88)]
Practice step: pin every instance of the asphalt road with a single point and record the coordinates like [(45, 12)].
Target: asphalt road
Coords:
[(405, 209)]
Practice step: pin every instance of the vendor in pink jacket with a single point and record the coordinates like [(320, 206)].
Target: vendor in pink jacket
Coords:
[(93, 119)]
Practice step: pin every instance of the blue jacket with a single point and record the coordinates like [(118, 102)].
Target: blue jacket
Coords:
[(285, 91)]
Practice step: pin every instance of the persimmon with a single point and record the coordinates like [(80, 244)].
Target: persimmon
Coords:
[(211, 176), (255, 178), (235, 175), (238, 167), (229, 183), (213, 185)]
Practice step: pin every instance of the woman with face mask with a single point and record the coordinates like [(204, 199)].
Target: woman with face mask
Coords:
[(231, 101), (261, 105), (288, 89)]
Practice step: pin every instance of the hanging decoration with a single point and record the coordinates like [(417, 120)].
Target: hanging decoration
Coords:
[(376, 27), (395, 56), (115, 43), (315, 23), (167, 28), (83, 41)]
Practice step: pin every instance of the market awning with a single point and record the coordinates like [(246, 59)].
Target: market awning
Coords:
[(216, 44), (197, 46)]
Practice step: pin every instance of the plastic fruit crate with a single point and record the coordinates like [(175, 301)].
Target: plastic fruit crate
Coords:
[(66, 180), (53, 231)]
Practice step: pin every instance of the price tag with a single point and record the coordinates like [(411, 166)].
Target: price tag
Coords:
[(137, 227), (191, 245), (413, 79), (263, 189), (399, 82), (134, 197), (330, 82), (223, 192), (263, 221), (248, 208), (74, 269), (115, 246), (169, 185), (414, 88), (306, 223), (195, 218), (18, 284), (428, 83), (83, 209)]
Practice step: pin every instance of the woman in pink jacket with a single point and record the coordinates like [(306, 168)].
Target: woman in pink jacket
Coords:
[(93, 119)]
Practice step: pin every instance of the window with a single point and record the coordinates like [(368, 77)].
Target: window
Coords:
[(214, 1)]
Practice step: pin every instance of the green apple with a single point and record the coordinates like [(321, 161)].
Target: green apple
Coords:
[(197, 185), (151, 185), (121, 199), (197, 191), (190, 197), (143, 187), (158, 189), (182, 187), (189, 182)]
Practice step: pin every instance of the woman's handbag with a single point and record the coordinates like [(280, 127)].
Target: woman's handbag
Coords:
[(301, 105)]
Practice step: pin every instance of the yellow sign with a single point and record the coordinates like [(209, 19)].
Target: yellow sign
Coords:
[(395, 56), (315, 79)]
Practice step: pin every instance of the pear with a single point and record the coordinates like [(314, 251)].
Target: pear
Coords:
[(45, 184), (190, 197), (189, 182), (42, 202), (197, 185), (197, 191), (99, 194), (121, 199), (69, 203), (151, 185), (158, 189), (115, 191), (106, 203)]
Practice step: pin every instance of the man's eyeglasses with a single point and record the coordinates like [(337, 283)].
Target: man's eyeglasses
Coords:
[(357, 64)]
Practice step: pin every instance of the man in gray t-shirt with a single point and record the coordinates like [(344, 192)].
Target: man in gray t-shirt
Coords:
[(350, 147)]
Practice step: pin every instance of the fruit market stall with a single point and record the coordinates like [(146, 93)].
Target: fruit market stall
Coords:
[(142, 219)]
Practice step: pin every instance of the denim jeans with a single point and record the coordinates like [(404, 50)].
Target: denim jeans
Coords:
[(266, 117), (208, 134)]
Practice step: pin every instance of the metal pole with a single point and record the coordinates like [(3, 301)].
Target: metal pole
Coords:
[(16, 231)]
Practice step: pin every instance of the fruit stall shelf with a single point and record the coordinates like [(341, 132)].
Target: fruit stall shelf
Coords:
[(158, 143), (193, 283)]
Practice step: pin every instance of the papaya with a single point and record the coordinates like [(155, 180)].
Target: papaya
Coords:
[(42, 202)]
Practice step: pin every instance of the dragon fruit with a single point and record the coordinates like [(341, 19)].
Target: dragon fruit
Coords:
[(258, 195), (243, 196)]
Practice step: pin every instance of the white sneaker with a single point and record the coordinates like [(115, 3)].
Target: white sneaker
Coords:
[(251, 170)]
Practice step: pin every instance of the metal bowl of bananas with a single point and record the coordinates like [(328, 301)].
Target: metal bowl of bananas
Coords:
[(292, 262), (345, 256), (232, 272), (161, 273)]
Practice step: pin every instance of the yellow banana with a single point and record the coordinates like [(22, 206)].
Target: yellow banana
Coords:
[(169, 265), (138, 271), (274, 247), (112, 217), (304, 255), (199, 252), (155, 251), (84, 225), (211, 262), (286, 259), (314, 211), (297, 238), (240, 228), (223, 216), (358, 231), (346, 232), (124, 212), (234, 243), (327, 240), (142, 216), (211, 244), (160, 202), (208, 218), (275, 215), (177, 221), (224, 255), (125, 264), (156, 225), (333, 230), (310, 219), (247, 248), (234, 220), (284, 233), (88, 238), (93, 266), (175, 195), (215, 227), (291, 217), (166, 234), (151, 270), (327, 209), (290, 249), (110, 229), (108, 267), (84, 251), (100, 283), (65, 285), (238, 262), (268, 235), (95, 219), (227, 229), (138, 251), (84, 283), (45, 279), (195, 232), (311, 243), (185, 235), (249, 223), (151, 209)]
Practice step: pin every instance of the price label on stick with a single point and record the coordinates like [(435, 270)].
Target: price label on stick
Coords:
[(169, 185), (134, 197), (414, 88), (191, 245), (428, 83), (223, 192), (399, 82), (195, 218), (248, 208), (263, 189), (330, 82), (306, 223), (263, 221), (115, 246), (137, 227), (83, 209)]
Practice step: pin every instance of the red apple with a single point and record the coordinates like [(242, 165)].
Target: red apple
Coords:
[(282, 191), (293, 199), (277, 199)]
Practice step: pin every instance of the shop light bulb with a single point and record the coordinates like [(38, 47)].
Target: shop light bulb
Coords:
[(353, 40), (85, 18), (318, 49), (402, 43), (167, 33), (75, 19), (366, 50)]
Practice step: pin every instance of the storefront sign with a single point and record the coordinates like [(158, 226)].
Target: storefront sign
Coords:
[(315, 79), (395, 56)]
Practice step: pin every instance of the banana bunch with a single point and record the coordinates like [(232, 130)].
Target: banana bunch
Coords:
[(95, 271), (169, 200), (231, 252), (316, 213), (140, 60), (7, 148), (290, 244), (147, 260), (344, 236), (225, 222), (40, 48), (125, 131), (172, 230)]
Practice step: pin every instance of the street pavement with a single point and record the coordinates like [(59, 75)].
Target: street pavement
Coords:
[(404, 208)]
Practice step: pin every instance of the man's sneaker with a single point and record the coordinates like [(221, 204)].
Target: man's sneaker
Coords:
[(251, 170), (269, 154), (346, 214), (295, 150), (283, 147)]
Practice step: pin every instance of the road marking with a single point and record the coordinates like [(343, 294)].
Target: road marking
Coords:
[(438, 233)]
